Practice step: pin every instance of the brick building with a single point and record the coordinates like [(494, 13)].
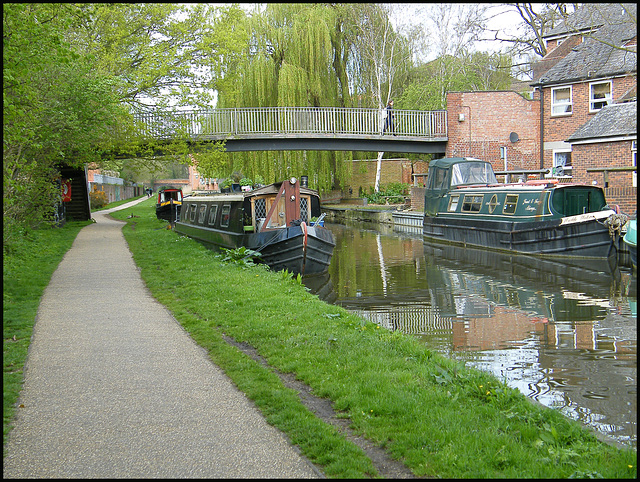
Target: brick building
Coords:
[(590, 67), (571, 124), (490, 125)]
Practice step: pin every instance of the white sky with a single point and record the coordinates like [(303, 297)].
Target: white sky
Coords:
[(500, 17)]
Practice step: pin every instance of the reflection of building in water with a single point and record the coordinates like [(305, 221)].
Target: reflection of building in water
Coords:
[(505, 327)]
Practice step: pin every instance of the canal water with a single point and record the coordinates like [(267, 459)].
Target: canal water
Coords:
[(563, 334)]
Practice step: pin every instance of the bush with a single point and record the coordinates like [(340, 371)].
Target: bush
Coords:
[(98, 199), (392, 193)]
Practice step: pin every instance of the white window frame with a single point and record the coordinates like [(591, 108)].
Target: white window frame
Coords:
[(634, 161), (608, 97), (561, 105), (568, 170)]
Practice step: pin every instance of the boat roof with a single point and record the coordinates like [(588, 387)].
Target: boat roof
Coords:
[(447, 162), (275, 187), (217, 196), (271, 189)]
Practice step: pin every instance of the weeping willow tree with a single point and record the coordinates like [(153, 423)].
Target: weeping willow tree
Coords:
[(296, 56)]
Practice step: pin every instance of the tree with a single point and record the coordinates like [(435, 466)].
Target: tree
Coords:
[(289, 59), (473, 71), (56, 110), (212, 163), (537, 19), (383, 55)]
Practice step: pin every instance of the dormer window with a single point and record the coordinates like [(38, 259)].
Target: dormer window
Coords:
[(599, 95), (561, 103)]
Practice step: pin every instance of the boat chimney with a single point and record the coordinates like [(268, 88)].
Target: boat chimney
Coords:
[(304, 181)]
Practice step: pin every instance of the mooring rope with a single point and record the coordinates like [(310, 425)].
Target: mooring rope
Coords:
[(615, 223)]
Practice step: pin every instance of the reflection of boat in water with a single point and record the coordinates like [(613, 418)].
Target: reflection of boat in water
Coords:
[(465, 205), (274, 220), (631, 240), (595, 276), (320, 285)]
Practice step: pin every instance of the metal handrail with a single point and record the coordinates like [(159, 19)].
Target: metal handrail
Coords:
[(221, 123)]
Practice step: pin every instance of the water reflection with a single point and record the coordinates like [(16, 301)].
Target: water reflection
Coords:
[(564, 334)]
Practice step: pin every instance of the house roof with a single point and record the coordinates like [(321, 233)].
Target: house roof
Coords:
[(592, 16), (613, 120), (601, 54)]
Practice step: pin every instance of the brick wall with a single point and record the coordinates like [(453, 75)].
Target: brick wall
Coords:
[(392, 171), (479, 123), (607, 154), (558, 128)]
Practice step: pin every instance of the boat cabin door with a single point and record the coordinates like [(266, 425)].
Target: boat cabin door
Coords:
[(436, 189)]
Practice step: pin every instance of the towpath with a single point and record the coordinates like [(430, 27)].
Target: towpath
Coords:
[(115, 388)]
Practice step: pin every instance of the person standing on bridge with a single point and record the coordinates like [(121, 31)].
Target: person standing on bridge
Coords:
[(388, 123)]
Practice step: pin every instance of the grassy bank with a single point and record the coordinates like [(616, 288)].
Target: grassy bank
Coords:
[(436, 416), (27, 266)]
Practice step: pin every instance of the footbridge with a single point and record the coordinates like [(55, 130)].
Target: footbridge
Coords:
[(301, 128)]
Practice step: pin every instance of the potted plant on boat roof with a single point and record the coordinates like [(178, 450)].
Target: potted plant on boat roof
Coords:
[(246, 183), (225, 186), (258, 181)]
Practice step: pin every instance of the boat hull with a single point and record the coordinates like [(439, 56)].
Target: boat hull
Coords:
[(167, 211), (630, 239), (582, 236), (286, 248), (280, 249)]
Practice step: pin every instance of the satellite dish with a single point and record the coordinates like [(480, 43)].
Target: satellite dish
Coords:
[(513, 137)]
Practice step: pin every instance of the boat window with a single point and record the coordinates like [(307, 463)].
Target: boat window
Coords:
[(453, 203), (224, 220), (260, 207), (437, 178), (510, 204), (472, 203), (192, 213), (212, 214), (304, 208), (472, 173), (202, 214)]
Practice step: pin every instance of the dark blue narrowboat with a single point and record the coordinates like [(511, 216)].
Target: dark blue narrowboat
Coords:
[(274, 220), (169, 203)]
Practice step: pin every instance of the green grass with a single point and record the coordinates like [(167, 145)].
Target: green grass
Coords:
[(436, 416), (440, 418)]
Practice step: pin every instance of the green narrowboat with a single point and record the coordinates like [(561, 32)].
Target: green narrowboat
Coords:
[(465, 205)]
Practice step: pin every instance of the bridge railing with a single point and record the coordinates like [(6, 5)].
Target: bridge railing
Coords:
[(221, 123)]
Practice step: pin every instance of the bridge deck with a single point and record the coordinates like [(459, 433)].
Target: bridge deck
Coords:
[(246, 122), (302, 128)]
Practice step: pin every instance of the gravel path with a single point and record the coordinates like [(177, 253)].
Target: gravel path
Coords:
[(115, 388)]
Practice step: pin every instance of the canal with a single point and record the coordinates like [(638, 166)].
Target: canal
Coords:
[(564, 335)]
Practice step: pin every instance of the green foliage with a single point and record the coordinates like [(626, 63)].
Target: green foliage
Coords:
[(58, 109), (212, 163), (392, 193), (241, 256), (97, 198), (429, 84)]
